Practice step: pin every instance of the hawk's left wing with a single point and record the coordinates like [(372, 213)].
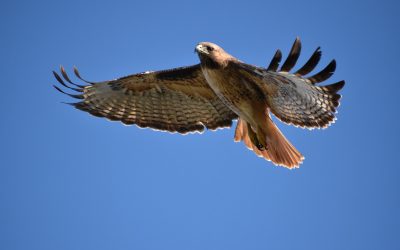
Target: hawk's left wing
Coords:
[(293, 98), (176, 100)]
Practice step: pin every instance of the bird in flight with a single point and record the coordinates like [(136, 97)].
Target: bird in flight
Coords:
[(215, 92)]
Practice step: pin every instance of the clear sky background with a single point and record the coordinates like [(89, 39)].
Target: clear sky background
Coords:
[(72, 181)]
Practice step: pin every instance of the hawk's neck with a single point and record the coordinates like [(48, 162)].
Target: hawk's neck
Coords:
[(216, 63)]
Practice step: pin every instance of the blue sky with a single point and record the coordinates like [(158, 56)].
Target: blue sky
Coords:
[(72, 181)]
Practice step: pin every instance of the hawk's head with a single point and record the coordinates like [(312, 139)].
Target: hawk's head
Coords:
[(212, 56)]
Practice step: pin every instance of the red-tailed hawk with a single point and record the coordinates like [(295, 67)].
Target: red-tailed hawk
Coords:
[(218, 90)]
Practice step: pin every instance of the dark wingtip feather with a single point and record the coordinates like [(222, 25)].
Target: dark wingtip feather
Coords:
[(79, 76), (63, 83), (335, 101), (293, 56), (69, 103), (311, 63), (324, 74), (64, 74), (78, 105), (274, 64), (335, 87), (71, 95), (58, 78)]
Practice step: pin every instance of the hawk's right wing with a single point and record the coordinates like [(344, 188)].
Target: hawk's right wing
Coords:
[(176, 100)]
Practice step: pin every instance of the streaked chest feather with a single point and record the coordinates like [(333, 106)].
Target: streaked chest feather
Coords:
[(226, 87), (237, 92)]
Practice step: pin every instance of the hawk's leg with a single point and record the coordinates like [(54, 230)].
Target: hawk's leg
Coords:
[(256, 140)]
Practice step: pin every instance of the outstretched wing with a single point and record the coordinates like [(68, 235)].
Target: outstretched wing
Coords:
[(176, 100), (293, 98)]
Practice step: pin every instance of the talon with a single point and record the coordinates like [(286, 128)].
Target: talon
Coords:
[(256, 141), (261, 140), (260, 147)]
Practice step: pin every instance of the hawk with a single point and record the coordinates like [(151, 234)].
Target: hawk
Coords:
[(217, 91)]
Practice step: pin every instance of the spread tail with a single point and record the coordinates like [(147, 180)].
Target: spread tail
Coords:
[(278, 149)]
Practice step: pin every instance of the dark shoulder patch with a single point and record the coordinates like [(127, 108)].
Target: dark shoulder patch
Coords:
[(178, 73)]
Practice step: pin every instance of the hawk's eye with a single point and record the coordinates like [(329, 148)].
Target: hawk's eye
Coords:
[(209, 48)]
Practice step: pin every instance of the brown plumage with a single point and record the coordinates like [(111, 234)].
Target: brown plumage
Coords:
[(213, 93)]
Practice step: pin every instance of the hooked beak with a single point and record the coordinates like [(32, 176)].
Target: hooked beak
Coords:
[(201, 49)]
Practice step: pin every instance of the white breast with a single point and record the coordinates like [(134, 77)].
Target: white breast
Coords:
[(211, 82), (219, 90)]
